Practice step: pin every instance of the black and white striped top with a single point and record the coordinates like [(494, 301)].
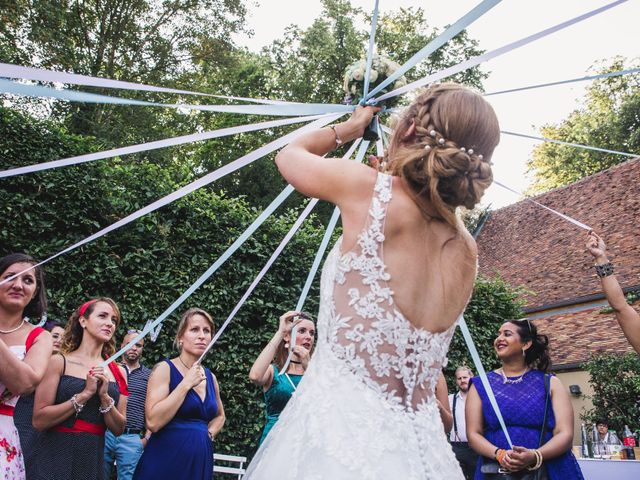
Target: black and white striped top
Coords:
[(137, 380)]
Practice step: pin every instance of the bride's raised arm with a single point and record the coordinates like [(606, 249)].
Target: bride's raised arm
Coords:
[(336, 180)]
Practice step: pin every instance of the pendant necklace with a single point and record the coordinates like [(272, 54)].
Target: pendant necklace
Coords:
[(13, 329), (517, 379)]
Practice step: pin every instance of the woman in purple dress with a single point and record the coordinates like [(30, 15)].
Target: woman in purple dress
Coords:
[(521, 386)]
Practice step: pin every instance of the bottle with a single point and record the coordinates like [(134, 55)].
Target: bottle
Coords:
[(585, 441), (595, 439), (629, 442)]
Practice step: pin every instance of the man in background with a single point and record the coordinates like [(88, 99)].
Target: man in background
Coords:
[(458, 435), (127, 448)]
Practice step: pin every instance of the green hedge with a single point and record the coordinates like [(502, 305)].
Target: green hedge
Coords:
[(146, 265)]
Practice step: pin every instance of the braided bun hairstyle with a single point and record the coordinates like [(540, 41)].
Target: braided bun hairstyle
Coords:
[(446, 161)]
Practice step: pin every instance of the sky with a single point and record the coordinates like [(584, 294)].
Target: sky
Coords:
[(560, 56)]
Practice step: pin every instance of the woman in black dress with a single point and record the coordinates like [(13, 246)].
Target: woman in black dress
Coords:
[(78, 399)]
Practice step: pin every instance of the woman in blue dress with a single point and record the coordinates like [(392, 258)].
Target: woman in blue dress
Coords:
[(278, 387), (183, 408), (521, 393)]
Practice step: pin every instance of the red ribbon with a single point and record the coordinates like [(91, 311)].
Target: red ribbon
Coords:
[(6, 410)]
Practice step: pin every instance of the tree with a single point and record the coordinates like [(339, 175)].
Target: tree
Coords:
[(608, 118), (615, 380), (148, 41)]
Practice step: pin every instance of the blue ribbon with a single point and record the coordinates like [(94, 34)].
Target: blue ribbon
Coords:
[(326, 238), (437, 42), (372, 38), (562, 82), (569, 144), (280, 109)]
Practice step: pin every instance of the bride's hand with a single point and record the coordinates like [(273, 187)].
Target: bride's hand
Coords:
[(360, 119)]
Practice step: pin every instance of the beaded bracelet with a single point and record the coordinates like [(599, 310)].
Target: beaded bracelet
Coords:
[(77, 406), (500, 455), (108, 408), (604, 270)]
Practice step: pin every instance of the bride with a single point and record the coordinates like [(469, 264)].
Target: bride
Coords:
[(392, 289)]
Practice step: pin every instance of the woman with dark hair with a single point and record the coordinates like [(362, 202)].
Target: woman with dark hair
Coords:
[(392, 290), (183, 408), (266, 371), (25, 350), (78, 399), (57, 331), (534, 404)]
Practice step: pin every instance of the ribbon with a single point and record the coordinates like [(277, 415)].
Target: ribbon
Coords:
[(16, 71), (267, 212), (561, 82), (437, 42), (301, 218), (320, 253), (144, 147), (207, 179), (561, 215), (372, 38), (577, 145), (327, 236), (472, 62), (8, 86), (483, 375)]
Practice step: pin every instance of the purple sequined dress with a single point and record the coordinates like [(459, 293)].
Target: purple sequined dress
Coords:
[(522, 406)]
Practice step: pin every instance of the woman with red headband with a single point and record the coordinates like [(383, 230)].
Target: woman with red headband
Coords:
[(78, 399), (24, 349)]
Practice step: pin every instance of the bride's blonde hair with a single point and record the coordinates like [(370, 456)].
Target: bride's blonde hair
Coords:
[(446, 163)]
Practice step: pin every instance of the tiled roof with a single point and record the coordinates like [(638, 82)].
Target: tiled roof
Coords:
[(528, 245), (573, 337)]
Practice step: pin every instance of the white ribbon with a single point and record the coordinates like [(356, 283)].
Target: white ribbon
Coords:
[(143, 147), (207, 179), (472, 62), (569, 144), (305, 213), (561, 215), (8, 70), (281, 109)]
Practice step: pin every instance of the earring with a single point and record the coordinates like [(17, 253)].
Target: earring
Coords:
[(524, 352)]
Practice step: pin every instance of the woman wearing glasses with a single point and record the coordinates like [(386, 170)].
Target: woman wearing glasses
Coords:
[(267, 371), (535, 406)]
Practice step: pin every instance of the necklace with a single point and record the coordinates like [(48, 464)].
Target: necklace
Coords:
[(517, 379), (185, 365), (13, 329)]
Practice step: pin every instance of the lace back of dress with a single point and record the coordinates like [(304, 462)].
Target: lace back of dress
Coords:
[(368, 333)]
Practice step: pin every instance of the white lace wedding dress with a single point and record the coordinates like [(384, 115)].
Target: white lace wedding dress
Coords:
[(365, 408)]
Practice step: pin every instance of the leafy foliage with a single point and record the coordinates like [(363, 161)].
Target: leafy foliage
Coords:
[(146, 265), (615, 380), (608, 119)]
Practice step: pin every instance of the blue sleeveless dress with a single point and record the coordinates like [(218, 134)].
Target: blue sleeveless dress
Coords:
[(182, 448), (276, 398), (522, 407)]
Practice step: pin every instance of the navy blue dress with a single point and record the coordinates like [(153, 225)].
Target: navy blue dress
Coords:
[(182, 448), (522, 407)]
